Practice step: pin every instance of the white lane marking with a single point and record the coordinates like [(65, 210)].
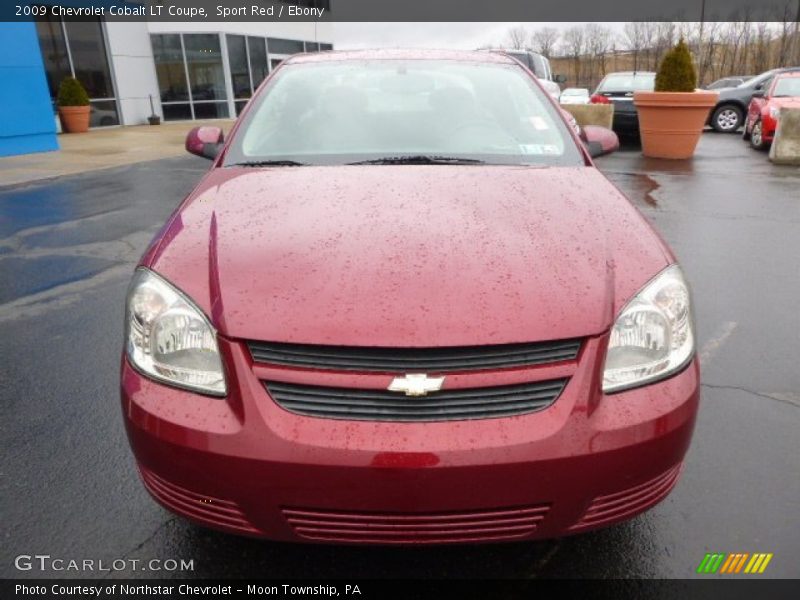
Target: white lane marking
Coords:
[(712, 346)]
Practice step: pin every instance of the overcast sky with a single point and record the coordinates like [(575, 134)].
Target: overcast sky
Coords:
[(464, 36)]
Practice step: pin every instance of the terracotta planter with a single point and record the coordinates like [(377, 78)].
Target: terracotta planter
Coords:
[(74, 119), (671, 122)]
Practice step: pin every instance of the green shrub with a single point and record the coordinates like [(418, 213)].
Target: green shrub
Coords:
[(676, 73), (72, 93)]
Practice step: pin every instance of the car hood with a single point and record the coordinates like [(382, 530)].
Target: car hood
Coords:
[(408, 255), (735, 93)]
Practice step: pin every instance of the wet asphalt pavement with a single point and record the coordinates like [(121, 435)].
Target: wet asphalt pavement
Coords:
[(68, 487)]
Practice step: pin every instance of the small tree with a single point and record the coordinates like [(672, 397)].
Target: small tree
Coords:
[(677, 72), (72, 93)]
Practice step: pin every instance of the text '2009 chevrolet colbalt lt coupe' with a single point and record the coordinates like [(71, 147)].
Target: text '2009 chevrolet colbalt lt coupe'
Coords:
[(403, 306)]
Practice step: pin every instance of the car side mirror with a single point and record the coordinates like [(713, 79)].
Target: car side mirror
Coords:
[(560, 78), (599, 141), (758, 94), (205, 142)]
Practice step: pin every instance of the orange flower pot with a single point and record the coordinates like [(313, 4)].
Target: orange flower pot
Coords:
[(74, 119), (671, 122)]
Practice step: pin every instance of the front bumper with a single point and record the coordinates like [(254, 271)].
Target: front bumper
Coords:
[(769, 125), (245, 465)]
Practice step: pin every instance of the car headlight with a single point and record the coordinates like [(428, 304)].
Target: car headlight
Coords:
[(774, 112), (169, 339), (653, 335)]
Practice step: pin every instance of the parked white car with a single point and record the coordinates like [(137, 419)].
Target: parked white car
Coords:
[(574, 96)]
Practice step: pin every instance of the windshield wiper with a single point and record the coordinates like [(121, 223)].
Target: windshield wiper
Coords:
[(421, 159), (268, 163)]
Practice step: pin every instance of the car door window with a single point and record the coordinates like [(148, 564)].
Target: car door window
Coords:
[(764, 85)]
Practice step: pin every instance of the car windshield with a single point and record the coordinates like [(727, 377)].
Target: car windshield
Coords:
[(787, 86), (436, 111), (628, 82), (575, 92), (756, 80)]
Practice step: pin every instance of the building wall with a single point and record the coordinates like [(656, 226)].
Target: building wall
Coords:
[(27, 123), (306, 31), (134, 72)]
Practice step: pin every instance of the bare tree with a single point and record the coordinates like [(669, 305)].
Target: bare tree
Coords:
[(796, 37), (785, 36), (635, 40), (649, 32), (517, 37), (664, 37), (713, 32), (544, 40), (598, 42), (574, 45), (760, 48)]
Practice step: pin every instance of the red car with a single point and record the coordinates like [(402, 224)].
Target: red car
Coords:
[(403, 306), (762, 114)]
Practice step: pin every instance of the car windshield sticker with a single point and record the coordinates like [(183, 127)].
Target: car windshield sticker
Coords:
[(531, 149)]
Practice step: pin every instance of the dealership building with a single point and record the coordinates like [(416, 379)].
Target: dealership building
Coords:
[(188, 70)]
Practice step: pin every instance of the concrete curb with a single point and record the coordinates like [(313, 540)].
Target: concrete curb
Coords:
[(785, 149)]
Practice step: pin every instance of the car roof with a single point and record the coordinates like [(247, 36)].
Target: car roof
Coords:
[(402, 54), (634, 73), (516, 50), (788, 74), (779, 70)]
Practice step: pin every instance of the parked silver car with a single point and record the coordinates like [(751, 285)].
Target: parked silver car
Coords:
[(539, 65)]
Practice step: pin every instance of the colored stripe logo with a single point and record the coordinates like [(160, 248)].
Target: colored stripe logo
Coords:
[(741, 562)]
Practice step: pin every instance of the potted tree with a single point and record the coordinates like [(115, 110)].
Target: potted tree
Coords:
[(671, 118), (73, 106)]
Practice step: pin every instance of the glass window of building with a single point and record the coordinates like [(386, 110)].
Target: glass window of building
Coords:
[(191, 77), (89, 60), (204, 64), (238, 64), (78, 49), (279, 46), (170, 71), (312, 47), (177, 112), (326, 46), (54, 52), (258, 60)]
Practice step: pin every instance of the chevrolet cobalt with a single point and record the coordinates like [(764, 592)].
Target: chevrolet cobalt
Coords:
[(403, 307)]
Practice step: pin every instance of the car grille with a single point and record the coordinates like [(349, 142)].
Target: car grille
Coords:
[(416, 528), (207, 509), (407, 360), (627, 503), (447, 405)]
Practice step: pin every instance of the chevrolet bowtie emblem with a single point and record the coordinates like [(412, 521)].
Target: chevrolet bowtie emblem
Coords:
[(416, 384)]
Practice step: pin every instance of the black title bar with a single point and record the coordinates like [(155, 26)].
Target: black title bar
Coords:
[(357, 589), (405, 10)]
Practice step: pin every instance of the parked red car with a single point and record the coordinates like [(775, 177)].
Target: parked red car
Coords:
[(403, 306), (762, 114)]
